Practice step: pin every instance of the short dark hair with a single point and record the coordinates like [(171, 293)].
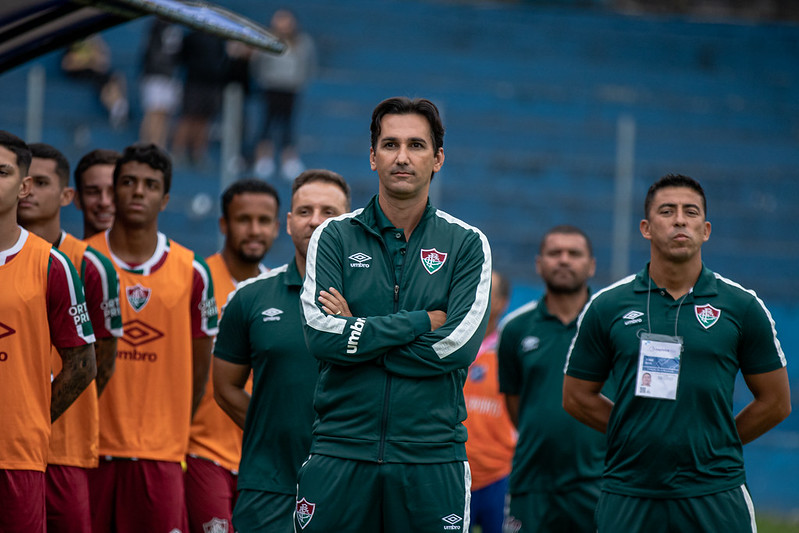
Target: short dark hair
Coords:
[(323, 175), (46, 151), (503, 285), (149, 154), (100, 156), (402, 105), (19, 148), (244, 186), (566, 229), (673, 180)]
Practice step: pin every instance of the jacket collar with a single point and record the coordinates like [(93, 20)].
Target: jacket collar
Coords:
[(373, 217)]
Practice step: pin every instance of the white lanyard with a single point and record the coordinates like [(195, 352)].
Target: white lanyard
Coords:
[(659, 359)]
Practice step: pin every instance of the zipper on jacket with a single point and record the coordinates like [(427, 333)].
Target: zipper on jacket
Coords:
[(384, 420), (387, 393)]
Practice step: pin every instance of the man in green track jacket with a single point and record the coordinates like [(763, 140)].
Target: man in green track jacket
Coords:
[(395, 303)]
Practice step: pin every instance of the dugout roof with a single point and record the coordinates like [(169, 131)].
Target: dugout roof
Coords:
[(29, 28)]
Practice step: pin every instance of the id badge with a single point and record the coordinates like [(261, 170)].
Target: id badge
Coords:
[(658, 366)]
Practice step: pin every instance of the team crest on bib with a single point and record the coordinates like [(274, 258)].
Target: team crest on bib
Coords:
[(304, 512), (433, 260), (707, 315), (138, 296), (216, 525)]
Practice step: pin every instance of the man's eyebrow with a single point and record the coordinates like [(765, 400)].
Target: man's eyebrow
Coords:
[(410, 139), (674, 204)]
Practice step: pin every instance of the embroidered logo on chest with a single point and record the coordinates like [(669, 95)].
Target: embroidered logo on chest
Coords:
[(530, 343), (633, 317), (433, 260), (707, 315), (271, 314), (359, 260), (138, 296)]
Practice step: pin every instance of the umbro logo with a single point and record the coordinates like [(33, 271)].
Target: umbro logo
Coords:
[(138, 333), (360, 260), (5, 330), (271, 314), (452, 522), (633, 317), (530, 343)]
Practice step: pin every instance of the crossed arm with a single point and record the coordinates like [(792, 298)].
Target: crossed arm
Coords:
[(333, 303)]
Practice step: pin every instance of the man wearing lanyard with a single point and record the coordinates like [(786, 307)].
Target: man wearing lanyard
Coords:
[(675, 460)]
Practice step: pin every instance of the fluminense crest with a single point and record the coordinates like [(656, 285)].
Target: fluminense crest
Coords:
[(216, 525), (707, 315), (138, 296), (304, 512), (433, 260)]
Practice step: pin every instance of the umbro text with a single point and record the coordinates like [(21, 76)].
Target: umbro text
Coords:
[(355, 336), (136, 355)]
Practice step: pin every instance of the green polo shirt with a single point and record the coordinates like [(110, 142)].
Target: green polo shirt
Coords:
[(261, 326), (394, 239), (689, 446), (554, 451)]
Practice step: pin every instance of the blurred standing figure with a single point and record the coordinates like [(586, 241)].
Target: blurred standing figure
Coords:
[(90, 59), (261, 335), (250, 225), (74, 437), (160, 87), (281, 78), (94, 188), (492, 436), (557, 467), (206, 62), (41, 306)]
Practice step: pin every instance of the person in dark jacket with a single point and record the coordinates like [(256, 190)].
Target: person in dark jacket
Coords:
[(395, 303)]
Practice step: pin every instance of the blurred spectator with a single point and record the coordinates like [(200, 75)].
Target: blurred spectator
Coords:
[(281, 78), (160, 87), (206, 68), (90, 59), (492, 436)]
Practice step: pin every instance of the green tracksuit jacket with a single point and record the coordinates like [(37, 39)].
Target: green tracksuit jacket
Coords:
[(389, 389)]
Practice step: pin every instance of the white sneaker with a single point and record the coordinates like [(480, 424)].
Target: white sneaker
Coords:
[(291, 168), (264, 168)]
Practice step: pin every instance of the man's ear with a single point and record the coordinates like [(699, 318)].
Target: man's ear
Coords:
[(25, 187), (67, 196), (644, 227)]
